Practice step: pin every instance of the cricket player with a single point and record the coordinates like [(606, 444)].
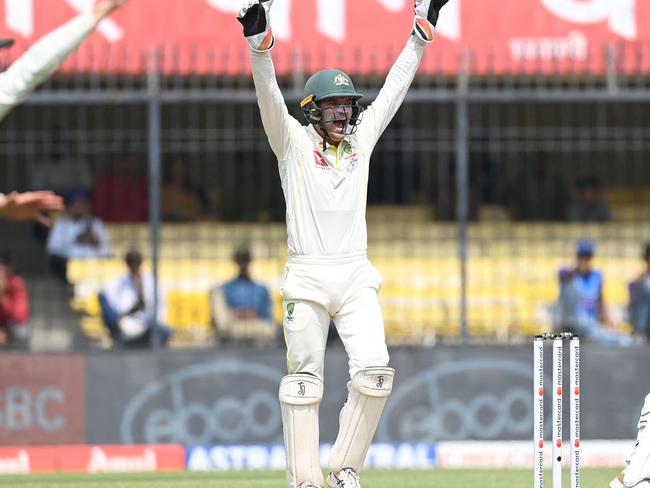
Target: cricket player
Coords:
[(23, 76), (637, 472), (324, 172)]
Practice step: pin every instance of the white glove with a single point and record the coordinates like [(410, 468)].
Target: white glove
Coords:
[(426, 18), (254, 16)]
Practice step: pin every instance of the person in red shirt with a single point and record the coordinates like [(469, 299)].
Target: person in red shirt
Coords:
[(122, 193), (14, 305)]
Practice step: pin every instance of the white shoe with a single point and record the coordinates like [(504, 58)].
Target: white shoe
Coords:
[(307, 484), (346, 478)]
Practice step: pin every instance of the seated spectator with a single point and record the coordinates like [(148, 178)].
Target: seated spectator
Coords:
[(77, 235), (179, 200), (581, 306), (122, 193), (14, 306), (241, 308), (639, 304), (127, 307), (589, 205)]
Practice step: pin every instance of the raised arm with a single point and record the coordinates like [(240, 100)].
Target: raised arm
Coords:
[(47, 54), (280, 127), (377, 117)]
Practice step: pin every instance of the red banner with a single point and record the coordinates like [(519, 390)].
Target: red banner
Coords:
[(360, 36), (91, 459)]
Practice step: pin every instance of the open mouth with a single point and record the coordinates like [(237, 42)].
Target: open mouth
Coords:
[(339, 125)]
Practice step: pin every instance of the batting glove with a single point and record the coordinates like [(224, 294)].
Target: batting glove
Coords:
[(426, 18), (254, 16)]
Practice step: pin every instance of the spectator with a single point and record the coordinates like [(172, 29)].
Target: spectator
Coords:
[(539, 191), (639, 305), (590, 205), (14, 306), (581, 305), (179, 200), (241, 308), (122, 193), (77, 235), (127, 307)]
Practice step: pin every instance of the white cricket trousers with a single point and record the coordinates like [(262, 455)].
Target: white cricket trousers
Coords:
[(342, 289)]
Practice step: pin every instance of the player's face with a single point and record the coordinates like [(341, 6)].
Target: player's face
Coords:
[(335, 115)]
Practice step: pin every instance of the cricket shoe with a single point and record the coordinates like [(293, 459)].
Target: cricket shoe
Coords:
[(618, 483), (346, 478), (307, 484)]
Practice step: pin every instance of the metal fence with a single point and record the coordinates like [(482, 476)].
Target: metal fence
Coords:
[(478, 191)]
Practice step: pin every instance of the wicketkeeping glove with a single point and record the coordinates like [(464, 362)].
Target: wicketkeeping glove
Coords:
[(254, 16), (426, 18)]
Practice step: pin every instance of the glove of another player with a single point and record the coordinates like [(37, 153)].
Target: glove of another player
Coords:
[(254, 16), (426, 18)]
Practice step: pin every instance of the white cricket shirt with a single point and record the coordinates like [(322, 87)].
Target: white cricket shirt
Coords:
[(325, 191)]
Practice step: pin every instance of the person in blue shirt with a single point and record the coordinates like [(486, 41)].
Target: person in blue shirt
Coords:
[(246, 298), (639, 304), (581, 305)]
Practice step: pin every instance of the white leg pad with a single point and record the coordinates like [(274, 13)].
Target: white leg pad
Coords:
[(300, 395), (359, 417), (638, 468)]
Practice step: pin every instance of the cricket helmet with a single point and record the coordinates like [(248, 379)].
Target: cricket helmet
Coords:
[(329, 83)]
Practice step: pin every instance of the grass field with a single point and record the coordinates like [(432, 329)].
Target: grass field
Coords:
[(591, 478)]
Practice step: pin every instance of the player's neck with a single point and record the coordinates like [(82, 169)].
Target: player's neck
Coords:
[(327, 137)]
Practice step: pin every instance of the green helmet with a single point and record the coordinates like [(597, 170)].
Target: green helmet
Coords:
[(329, 83)]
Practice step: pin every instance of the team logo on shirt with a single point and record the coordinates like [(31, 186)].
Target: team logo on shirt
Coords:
[(290, 308), (346, 147), (341, 80)]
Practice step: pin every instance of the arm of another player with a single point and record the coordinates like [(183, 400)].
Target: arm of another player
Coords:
[(377, 117), (30, 205), (33, 67), (278, 124)]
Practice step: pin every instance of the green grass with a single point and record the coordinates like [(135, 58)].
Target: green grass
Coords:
[(442, 478)]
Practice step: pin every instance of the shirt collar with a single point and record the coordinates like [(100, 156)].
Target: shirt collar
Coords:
[(318, 139)]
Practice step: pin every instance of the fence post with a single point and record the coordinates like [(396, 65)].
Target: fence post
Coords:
[(154, 150), (462, 182)]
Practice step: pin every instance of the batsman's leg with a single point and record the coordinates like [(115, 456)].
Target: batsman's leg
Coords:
[(637, 472), (361, 328), (305, 329), (300, 396), (359, 417)]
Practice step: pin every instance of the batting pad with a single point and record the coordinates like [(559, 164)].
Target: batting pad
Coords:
[(300, 395), (639, 467), (359, 417)]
